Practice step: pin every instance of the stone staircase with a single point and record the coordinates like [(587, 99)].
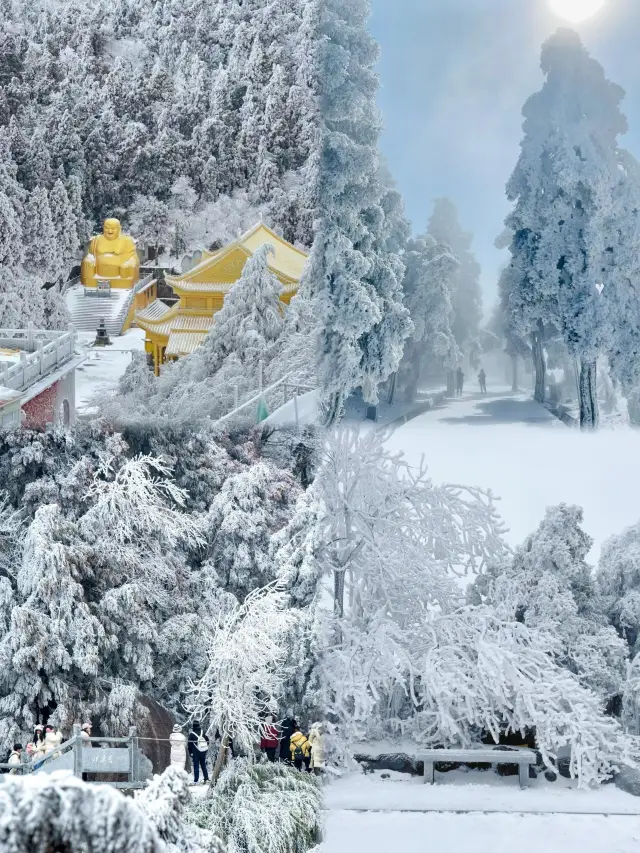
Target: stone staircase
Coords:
[(87, 311)]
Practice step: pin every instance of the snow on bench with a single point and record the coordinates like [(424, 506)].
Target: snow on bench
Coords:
[(524, 758)]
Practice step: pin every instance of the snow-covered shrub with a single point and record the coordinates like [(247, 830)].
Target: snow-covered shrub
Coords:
[(166, 802), (263, 808), (548, 585), (41, 814)]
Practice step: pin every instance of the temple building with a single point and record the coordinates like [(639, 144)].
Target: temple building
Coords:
[(177, 330)]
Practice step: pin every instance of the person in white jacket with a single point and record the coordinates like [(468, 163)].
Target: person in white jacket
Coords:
[(52, 740), (85, 734), (316, 739), (178, 748), (15, 759)]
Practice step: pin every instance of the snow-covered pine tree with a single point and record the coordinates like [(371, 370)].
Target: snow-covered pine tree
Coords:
[(466, 295), (428, 282), (344, 266), (566, 224), (251, 319), (65, 228), (42, 250)]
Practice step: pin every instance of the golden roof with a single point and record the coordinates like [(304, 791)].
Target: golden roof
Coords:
[(287, 263)]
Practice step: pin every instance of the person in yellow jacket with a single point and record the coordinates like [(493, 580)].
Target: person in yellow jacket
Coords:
[(300, 749)]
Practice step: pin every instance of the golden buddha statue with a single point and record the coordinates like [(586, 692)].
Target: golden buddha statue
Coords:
[(112, 257)]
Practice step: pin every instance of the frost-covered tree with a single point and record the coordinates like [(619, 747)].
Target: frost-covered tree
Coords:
[(548, 585), (568, 224), (357, 298), (466, 295), (245, 670), (42, 250), (248, 508), (618, 581), (428, 283), (251, 318), (65, 227)]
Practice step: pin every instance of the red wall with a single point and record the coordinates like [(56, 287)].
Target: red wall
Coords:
[(40, 411)]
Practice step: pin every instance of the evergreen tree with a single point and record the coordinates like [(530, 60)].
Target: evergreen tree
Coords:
[(344, 272), (42, 249), (64, 224), (567, 224), (252, 317), (466, 296), (430, 270)]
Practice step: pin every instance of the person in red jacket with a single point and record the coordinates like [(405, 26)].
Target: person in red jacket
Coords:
[(269, 741)]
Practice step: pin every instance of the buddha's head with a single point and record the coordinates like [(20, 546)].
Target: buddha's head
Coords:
[(111, 229)]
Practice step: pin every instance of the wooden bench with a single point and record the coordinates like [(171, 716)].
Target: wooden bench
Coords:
[(524, 758)]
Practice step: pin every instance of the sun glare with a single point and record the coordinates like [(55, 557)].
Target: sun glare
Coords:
[(576, 10)]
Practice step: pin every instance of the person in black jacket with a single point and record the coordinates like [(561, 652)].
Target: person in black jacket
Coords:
[(198, 745), (287, 728)]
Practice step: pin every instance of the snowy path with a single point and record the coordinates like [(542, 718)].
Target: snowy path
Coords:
[(104, 366), (515, 447)]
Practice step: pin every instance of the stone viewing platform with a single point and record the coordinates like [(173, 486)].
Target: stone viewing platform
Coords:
[(37, 377)]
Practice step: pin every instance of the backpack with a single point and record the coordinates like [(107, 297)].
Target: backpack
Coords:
[(201, 744), (298, 753)]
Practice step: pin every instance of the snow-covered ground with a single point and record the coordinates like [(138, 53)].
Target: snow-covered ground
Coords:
[(375, 832), (476, 812), (104, 366), (510, 444)]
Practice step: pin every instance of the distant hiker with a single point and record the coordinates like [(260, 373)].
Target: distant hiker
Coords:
[(316, 739), (14, 759), (52, 739), (179, 749), (459, 381), (85, 735), (269, 741), (287, 728), (300, 749), (482, 379), (198, 748)]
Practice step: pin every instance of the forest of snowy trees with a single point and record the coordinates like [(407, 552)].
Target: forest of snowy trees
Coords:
[(226, 571)]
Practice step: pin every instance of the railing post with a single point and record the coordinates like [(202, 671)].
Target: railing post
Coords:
[(30, 336), (295, 409), (41, 357), (5, 375), (133, 754), (77, 751), (23, 365)]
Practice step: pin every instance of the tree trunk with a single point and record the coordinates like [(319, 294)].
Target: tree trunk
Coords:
[(514, 372), (392, 388), (338, 594), (539, 366), (332, 409), (222, 754), (589, 416)]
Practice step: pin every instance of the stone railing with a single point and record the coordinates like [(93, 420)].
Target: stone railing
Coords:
[(40, 353)]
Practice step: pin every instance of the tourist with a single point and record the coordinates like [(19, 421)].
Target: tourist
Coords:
[(287, 728), (300, 749), (35, 748), (316, 739), (85, 734), (459, 381), (482, 379), (198, 747), (179, 748), (15, 759), (52, 739), (269, 741)]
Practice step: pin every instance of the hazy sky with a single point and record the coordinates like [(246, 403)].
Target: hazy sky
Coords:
[(455, 74)]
